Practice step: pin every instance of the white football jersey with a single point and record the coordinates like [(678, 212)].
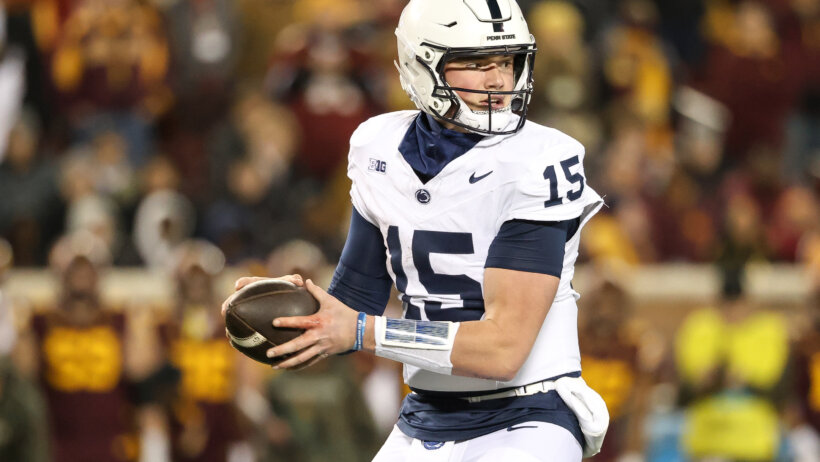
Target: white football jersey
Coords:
[(438, 233)]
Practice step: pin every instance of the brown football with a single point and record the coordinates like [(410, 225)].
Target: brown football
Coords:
[(251, 311)]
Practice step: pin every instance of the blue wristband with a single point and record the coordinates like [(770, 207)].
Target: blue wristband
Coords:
[(361, 322)]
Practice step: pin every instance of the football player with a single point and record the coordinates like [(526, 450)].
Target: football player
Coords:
[(475, 215)]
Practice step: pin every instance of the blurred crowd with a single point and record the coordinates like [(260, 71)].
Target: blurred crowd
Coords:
[(150, 122), (84, 379), (182, 136)]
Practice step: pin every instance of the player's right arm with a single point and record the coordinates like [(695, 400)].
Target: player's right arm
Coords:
[(361, 280)]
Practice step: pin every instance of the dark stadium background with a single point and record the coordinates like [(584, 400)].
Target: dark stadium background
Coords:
[(176, 144)]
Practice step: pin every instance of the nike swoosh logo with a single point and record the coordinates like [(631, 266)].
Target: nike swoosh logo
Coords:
[(448, 25), (475, 179), (509, 429)]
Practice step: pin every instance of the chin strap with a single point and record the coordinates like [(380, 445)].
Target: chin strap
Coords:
[(483, 120)]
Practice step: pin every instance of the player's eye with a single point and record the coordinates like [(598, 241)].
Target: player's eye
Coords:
[(506, 63)]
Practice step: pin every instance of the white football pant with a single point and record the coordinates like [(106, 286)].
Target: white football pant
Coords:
[(524, 442)]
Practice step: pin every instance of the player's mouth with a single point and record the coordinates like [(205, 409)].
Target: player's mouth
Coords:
[(494, 103)]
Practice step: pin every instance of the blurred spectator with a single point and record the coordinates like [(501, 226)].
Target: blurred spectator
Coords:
[(20, 43), (82, 362), (12, 86), (261, 22), (803, 130), (95, 215), (8, 329), (205, 40), (204, 421), (565, 87), (663, 426), (30, 211), (259, 130), (321, 415), (632, 178), (378, 382), (758, 78), (796, 213), (700, 135), (257, 204), (252, 217), (658, 208), (608, 243), (164, 218), (382, 387), (682, 219), (95, 187), (108, 64), (742, 238), (680, 22), (636, 70), (808, 253), (618, 362), (114, 174), (564, 61), (300, 257), (319, 74), (22, 411), (732, 363)]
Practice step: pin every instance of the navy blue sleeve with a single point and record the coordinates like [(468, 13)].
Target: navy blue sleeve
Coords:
[(531, 246), (361, 280)]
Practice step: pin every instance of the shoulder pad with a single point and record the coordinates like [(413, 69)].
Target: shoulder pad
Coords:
[(374, 126)]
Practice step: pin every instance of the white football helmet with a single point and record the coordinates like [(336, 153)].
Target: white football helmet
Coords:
[(433, 32)]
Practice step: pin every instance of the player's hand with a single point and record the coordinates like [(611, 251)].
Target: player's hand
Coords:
[(331, 330), (242, 282)]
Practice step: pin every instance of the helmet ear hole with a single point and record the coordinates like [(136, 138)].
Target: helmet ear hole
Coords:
[(427, 55)]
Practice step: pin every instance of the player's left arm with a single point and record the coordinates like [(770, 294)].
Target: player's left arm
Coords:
[(521, 279), (516, 304)]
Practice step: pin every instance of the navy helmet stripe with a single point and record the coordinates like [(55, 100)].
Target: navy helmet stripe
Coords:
[(495, 12)]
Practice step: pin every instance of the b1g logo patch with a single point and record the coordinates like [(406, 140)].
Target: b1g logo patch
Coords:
[(377, 165)]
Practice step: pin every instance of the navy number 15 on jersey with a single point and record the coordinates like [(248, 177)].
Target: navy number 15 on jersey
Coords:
[(574, 178), (425, 243)]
